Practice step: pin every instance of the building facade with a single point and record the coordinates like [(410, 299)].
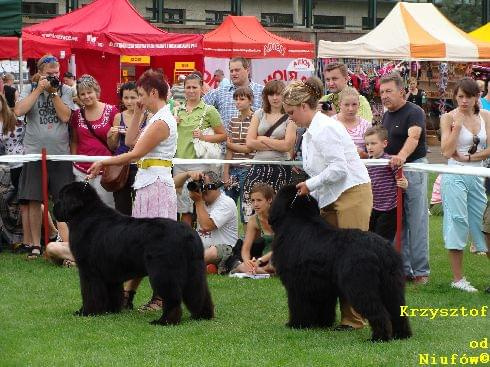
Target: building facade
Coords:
[(324, 14)]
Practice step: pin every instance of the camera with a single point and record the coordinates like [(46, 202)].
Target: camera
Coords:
[(200, 186), (53, 81), (196, 186), (326, 106)]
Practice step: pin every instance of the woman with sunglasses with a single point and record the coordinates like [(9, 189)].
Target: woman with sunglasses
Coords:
[(464, 141)]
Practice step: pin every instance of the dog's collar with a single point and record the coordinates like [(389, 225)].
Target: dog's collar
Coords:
[(86, 183), (295, 196)]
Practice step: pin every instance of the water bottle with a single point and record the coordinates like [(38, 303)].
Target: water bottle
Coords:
[(424, 98)]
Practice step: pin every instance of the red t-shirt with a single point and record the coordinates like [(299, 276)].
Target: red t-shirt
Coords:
[(88, 144)]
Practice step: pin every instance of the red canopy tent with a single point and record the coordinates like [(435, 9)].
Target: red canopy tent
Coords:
[(104, 30), (244, 36), (33, 47)]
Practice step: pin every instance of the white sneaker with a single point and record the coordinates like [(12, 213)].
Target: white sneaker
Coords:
[(464, 285)]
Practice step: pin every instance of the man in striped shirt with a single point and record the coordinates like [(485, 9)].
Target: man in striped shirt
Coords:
[(222, 97), (384, 185)]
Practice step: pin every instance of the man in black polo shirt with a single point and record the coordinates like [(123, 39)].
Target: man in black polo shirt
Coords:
[(405, 123)]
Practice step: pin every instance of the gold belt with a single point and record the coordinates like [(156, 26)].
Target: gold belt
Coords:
[(145, 163)]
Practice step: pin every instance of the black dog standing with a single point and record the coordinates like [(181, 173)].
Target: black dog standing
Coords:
[(317, 262), (110, 248)]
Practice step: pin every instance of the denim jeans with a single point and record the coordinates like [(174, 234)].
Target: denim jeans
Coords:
[(237, 174)]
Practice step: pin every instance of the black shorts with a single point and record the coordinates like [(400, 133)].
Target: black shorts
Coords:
[(30, 185), (15, 176)]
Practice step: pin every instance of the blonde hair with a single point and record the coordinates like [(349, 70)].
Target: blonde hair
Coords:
[(87, 81), (348, 92), (309, 92)]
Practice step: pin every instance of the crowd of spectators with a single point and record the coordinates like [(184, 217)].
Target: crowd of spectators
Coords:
[(330, 134)]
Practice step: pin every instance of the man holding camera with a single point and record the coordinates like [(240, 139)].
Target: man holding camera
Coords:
[(217, 218), (47, 107), (336, 79)]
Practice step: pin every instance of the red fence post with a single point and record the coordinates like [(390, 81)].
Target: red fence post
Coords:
[(399, 213), (44, 181)]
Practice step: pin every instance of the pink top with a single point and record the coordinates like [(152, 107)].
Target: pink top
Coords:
[(357, 132), (88, 144)]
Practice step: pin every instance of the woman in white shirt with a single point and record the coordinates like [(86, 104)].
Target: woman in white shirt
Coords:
[(154, 150), (339, 180)]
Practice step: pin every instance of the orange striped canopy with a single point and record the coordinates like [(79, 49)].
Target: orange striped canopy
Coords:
[(411, 31)]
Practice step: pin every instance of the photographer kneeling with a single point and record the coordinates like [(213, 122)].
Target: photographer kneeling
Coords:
[(217, 218)]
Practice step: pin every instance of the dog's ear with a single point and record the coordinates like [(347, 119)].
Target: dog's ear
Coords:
[(71, 201), (281, 205), (305, 206)]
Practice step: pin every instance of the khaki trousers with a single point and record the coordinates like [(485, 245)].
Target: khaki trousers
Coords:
[(351, 210)]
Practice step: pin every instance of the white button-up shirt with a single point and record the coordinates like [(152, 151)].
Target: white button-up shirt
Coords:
[(331, 160)]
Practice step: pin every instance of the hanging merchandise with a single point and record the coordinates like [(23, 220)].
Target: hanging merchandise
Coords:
[(442, 86)]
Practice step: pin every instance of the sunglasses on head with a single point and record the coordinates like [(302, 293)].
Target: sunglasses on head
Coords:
[(49, 60), (474, 147)]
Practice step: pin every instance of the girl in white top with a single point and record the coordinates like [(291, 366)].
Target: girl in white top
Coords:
[(464, 141), (154, 150), (339, 180)]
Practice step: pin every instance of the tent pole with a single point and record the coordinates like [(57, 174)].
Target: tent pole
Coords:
[(21, 71)]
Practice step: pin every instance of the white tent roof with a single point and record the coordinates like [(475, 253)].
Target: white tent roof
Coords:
[(411, 31)]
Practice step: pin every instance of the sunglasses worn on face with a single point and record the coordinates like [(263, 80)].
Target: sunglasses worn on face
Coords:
[(474, 147)]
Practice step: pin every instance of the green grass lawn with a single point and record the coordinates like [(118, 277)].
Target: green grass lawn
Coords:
[(37, 327)]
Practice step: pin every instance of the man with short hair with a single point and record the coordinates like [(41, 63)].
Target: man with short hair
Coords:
[(47, 107), (222, 98), (178, 89), (217, 220), (11, 93), (405, 123), (336, 79), (219, 78), (69, 80)]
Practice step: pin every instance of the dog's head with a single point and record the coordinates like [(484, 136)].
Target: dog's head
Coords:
[(73, 198), (288, 204)]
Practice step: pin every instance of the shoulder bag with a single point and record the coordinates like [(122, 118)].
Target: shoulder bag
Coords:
[(203, 148)]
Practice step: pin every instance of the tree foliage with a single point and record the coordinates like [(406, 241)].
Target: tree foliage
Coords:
[(465, 14)]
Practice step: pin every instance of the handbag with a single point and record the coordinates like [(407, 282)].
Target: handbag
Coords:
[(203, 148), (114, 177)]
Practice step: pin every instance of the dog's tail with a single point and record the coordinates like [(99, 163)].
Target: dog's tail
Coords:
[(393, 292)]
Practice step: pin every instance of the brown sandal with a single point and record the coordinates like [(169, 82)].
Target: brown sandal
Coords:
[(155, 304), (67, 263)]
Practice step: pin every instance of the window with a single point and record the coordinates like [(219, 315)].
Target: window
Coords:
[(39, 10), (216, 16), (329, 22), (277, 20), (170, 16), (366, 25)]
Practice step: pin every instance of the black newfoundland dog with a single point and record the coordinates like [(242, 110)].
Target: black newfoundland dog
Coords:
[(317, 262), (110, 248)]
